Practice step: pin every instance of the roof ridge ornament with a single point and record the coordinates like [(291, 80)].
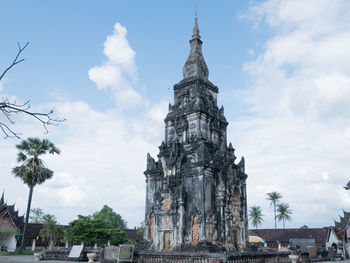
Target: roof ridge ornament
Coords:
[(195, 66)]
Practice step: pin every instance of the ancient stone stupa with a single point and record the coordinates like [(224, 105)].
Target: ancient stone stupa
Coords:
[(195, 193)]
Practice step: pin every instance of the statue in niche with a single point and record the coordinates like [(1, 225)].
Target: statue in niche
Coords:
[(171, 134), (211, 230), (195, 231), (204, 131), (150, 228), (166, 203), (214, 137), (236, 203), (193, 134)]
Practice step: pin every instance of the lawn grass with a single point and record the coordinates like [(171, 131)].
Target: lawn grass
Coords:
[(24, 252)]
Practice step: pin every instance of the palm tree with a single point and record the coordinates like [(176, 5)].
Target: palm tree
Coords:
[(51, 232), (33, 170), (255, 216), (284, 212), (274, 197)]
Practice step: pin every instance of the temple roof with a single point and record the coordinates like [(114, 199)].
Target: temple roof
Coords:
[(284, 235), (195, 66), (9, 210), (343, 220)]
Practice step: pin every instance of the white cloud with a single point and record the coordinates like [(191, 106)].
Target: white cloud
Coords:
[(103, 153), (119, 73), (118, 50), (298, 141)]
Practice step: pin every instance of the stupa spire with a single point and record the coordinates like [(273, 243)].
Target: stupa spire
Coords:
[(195, 66), (195, 29)]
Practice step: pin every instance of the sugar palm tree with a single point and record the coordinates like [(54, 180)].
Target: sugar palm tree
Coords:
[(274, 197), (284, 212), (32, 171), (256, 216)]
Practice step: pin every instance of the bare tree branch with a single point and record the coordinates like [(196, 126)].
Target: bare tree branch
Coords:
[(15, 61), (9, 109)]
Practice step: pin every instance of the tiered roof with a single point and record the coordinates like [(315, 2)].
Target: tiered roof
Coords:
[(9, 210), (343, 220)]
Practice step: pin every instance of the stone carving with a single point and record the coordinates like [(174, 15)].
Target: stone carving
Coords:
[(195, 231), (195, 190), (150, 228), (166, 203)]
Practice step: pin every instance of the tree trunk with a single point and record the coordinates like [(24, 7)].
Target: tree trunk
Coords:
[(51, 244), (274, 209), (24, 236)]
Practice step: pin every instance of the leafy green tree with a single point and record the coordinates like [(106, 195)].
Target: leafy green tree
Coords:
[(284, 213), (117, 236), (33, 170), (51, 232), (97, 229), (36, 216), (112, 219), (304, 227), (256, 216), (274, 197)]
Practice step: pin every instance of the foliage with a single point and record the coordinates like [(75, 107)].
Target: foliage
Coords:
[(304, 227), (10, 108), (10, 231), (117, 236), (112, 219), (256, 216), (36, 216), (98, 228), (33, 170), (51, 232), (284, 213), (274, 197)]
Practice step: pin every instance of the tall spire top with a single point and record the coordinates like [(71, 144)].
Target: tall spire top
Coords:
[(195, 65), (195, 28)]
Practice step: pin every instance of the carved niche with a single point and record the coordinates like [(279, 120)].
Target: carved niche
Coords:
[(236, 205), (195, 231)]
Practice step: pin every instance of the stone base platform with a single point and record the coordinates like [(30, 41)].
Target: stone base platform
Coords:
[(202, 257)]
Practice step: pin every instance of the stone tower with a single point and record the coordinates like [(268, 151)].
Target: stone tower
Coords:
[(195, 193)]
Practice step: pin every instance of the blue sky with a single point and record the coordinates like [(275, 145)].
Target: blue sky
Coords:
[(282, 69), (66, 39)]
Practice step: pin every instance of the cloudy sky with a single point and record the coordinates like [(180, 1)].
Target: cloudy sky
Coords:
[(108, 67)]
